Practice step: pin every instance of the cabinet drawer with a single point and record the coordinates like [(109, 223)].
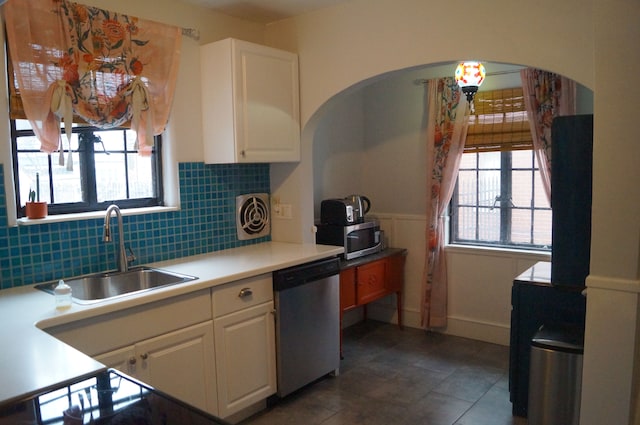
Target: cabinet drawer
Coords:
[(371, 281), (242, 294), (106, 332)]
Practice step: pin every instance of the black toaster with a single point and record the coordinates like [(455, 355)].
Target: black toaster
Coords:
[(338, 211)]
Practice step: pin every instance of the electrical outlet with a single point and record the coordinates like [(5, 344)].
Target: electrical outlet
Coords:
[(283, 211)]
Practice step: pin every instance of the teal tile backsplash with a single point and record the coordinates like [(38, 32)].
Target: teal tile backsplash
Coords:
[(205, 223)]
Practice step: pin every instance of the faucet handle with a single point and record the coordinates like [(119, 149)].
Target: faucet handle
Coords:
[(131, 257)]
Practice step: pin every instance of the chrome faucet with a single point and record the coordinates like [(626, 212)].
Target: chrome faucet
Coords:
[(123, 258)]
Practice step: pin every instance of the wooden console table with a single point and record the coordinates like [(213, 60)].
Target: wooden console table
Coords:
[(367, 279)]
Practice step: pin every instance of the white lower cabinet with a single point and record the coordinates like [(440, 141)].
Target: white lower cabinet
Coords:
[(245, 361), (166, 344), (179, 363), (213, 349), (244, 344), (123, 359)]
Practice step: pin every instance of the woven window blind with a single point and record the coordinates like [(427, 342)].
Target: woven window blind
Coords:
[(499, 123), (16, 108)]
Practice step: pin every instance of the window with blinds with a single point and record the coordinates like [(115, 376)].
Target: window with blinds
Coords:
[(499, 123), (107, 166), (499, 200)]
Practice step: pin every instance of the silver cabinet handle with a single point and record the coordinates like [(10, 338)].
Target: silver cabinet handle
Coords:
[(144, 356), (245, 292)]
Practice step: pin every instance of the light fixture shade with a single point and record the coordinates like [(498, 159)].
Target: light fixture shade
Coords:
[(469, 76)]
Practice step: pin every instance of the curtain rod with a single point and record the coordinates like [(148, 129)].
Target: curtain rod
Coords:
[(191, 33)]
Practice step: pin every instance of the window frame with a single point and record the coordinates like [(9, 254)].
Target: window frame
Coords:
[(505, 205), (87, 163)]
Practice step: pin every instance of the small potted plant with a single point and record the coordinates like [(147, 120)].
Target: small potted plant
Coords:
[(34, 208)]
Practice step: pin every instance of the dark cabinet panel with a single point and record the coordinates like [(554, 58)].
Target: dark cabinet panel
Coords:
[(571, 183), (348, 289), (535, 302)]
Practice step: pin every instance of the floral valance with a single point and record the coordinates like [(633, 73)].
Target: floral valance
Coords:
[(104, 67)]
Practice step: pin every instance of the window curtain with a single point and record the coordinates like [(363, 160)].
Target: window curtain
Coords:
[(446, 131), (107, 68), (546, 96)]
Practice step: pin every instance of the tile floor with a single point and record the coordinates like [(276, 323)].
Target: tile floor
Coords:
[(393, 376)]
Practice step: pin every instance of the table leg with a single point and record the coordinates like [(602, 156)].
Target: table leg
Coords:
[(399, 307)]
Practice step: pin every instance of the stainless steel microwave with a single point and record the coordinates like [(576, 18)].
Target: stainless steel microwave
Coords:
[(357, 239)]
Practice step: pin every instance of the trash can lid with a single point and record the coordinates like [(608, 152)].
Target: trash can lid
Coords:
[(567, 338)]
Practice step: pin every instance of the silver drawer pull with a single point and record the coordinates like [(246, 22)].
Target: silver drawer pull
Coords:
[(245, 292)]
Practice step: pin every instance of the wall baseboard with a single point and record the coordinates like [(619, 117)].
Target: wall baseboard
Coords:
[(494, 333), (388, 314)]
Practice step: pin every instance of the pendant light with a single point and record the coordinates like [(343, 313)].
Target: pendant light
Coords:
[(469, 76)]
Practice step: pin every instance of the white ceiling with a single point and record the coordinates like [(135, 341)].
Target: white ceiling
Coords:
[(264, 11)]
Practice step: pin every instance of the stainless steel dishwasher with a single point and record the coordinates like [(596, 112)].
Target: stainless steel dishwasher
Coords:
[(307, 302)]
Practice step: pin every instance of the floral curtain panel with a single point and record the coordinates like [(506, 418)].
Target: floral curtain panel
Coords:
[(546, 96), (105, 67), (446, 131)]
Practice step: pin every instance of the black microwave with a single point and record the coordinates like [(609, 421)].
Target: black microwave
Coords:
[(357, 239)]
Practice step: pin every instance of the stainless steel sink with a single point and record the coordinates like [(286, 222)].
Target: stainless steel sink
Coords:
[(104, 286)]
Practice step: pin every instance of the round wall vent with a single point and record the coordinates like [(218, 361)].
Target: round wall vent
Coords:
[(252, 216)]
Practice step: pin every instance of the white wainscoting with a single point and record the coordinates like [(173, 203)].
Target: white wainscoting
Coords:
[(480, 280)]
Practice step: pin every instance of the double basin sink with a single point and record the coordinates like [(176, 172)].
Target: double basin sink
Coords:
[(105, 286)]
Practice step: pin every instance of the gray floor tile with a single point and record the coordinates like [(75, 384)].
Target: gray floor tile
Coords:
[(493, 408), (440, 409), (393, 376), (469, 382)]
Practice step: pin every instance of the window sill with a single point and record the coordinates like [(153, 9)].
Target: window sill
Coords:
[(91, 215), (486, 250)]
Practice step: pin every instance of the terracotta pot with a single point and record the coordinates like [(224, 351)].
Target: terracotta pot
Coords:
[(36, 209)]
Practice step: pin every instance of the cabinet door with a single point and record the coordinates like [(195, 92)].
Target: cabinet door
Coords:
[(245, 358), (371, 281), (348, 288), (267, 110), (181, 363), (122, 359)]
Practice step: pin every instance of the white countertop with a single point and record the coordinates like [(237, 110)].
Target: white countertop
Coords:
[(539, 273), (32, 360)]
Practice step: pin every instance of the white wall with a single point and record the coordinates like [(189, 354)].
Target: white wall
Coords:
[(394, 174), (480, 282), (337, 151)]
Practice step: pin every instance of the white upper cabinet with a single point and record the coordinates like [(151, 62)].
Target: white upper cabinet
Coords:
[(250, 103)]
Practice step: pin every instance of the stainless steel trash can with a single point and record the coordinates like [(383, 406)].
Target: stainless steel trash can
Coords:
[(555, 376)]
